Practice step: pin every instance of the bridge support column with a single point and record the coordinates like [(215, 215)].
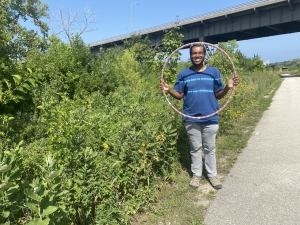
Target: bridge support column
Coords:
[(201, 39)]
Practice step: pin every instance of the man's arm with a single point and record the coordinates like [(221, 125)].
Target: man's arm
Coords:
[(175, 94), (220, 94), (234, 81)]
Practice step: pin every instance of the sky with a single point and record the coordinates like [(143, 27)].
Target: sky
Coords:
[(119, 17)]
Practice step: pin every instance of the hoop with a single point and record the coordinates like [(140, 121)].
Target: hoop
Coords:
[(232, 90)]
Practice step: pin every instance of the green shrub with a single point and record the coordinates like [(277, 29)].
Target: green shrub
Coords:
[(106, 132)]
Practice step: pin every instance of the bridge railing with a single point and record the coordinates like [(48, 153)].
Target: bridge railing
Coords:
[(202, 17)]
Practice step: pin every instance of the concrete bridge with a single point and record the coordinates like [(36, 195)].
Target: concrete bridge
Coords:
[(256, 19)]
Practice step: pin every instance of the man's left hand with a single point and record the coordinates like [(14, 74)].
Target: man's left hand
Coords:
[(234, 81)]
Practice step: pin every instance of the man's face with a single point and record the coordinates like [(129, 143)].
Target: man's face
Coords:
[(197, 55)]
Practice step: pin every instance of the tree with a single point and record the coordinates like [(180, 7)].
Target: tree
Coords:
[(241, 62), (64, 64), (141, 48), (257, 64), (72, 23), (16, 41), (171, 41), (249, 64), (15, 38), (221, 62)]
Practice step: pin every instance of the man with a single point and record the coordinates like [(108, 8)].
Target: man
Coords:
[(201, 86)]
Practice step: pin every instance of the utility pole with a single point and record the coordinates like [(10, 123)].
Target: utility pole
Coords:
[(131, 23)]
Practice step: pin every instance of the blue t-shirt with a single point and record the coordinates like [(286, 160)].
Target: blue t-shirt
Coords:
[(199, 93)]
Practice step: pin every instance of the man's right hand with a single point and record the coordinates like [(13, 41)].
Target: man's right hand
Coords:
[(165, 87)]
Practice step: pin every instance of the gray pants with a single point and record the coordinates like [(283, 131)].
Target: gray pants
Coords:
[(202, 136)]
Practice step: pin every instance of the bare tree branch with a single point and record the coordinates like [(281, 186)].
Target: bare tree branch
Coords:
[(73, 23)]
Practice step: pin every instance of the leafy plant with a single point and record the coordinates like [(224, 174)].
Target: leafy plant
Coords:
[(10, 186), (171, 41), (42, 196)]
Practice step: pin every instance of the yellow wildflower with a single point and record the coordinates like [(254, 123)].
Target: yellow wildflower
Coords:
[(140, 151), (105, 145), (160, 138)]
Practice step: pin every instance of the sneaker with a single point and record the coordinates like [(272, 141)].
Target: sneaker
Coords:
[(215, 182), (195, 182)]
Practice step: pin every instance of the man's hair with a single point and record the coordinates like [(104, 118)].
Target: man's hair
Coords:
[(197, 44)]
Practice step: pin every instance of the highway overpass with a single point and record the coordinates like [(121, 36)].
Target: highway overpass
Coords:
[(255, 19)]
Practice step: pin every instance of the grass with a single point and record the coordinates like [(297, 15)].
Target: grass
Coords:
[(178, 204)]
